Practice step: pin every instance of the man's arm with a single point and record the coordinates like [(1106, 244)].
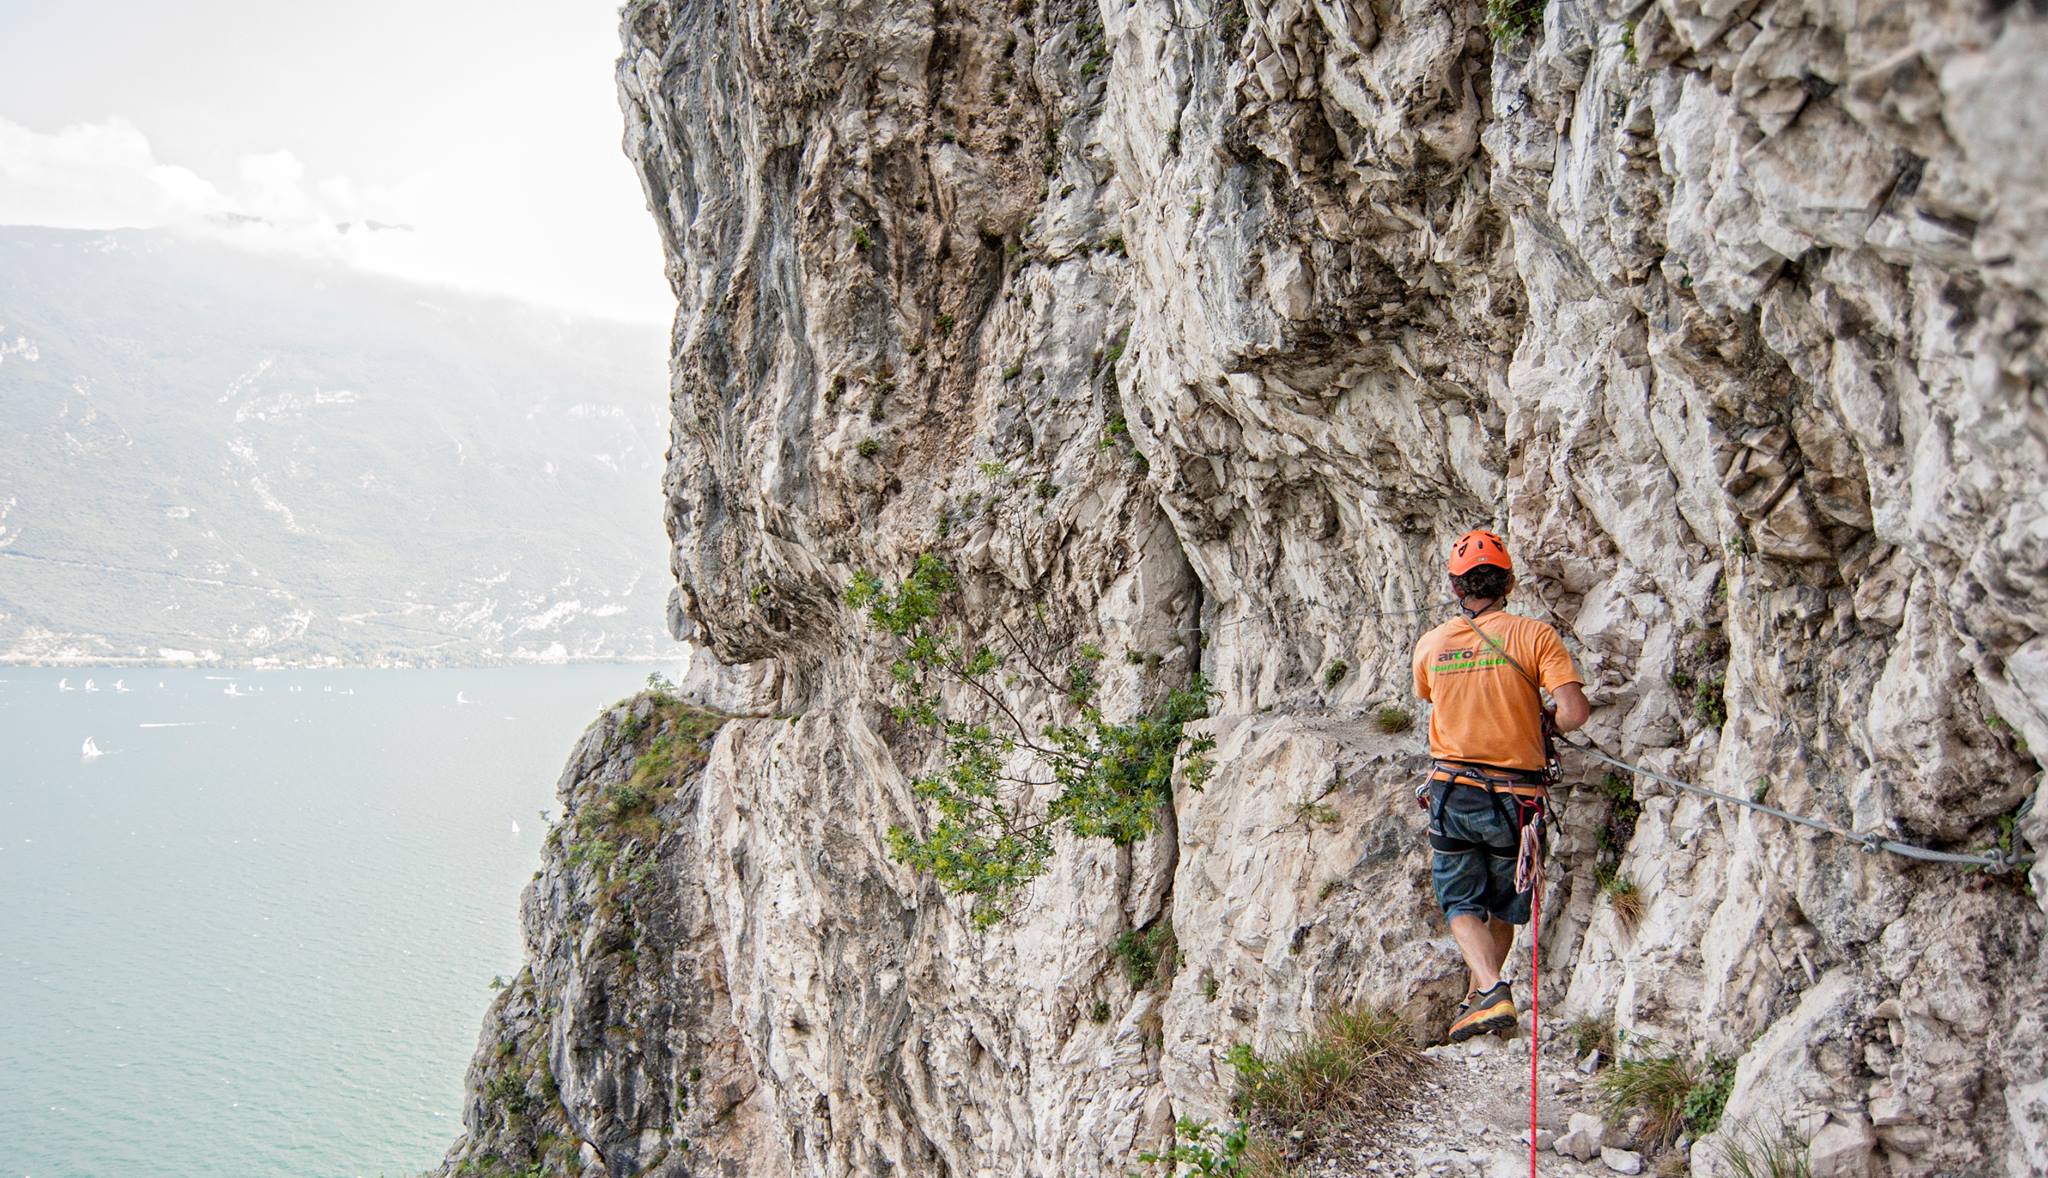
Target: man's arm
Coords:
[(1572, 708)]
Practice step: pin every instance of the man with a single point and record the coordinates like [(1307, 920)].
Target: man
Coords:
[(1482, 672)]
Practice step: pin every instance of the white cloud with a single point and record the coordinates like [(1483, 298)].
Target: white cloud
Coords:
[(95, 176), (106, 175)]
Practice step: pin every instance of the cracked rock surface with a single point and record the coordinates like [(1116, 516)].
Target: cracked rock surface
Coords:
[(1196, 332)]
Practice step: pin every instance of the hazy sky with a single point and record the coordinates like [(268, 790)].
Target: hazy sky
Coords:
[(490, 127)]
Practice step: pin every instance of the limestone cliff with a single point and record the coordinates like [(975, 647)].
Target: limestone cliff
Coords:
[(1194, 329)]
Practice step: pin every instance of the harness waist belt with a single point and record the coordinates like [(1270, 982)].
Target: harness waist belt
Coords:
[(1520, 783)]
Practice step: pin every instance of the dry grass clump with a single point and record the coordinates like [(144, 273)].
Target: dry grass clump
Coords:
[(1754, 1151), (1628, 901), (1355, 1064), (1655, 1087), (1390, 719), (1267, 1158), (1588, 1034), (1675, 1094)]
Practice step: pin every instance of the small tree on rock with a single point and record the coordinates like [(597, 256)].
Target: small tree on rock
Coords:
[(986, 837)]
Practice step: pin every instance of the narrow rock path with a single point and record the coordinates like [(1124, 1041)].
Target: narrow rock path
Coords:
[(1469, 1118)]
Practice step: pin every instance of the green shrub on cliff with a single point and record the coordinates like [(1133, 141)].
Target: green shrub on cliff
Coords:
[(986, 837), (1508, 20), (1200, 1148)]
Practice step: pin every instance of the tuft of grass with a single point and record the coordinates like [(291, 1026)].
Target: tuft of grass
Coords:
[(1624, 795), (631, 727), (1627, 899), (868, 448), (1391, 719), (1655, 1086), (2006, 732), (1099, 1013), (1674, 1093), (862, 239), (1709, 699), (1142, 951), (1335, 672), (1209, 986), (1754, 1151), (1588, 1034), (1315, 812), (1266, 1158), (1354, 1065)]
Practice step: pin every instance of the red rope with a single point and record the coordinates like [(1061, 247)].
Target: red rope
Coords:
[(1535, 1002)]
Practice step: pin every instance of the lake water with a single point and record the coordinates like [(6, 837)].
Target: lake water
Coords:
[(256, 936)]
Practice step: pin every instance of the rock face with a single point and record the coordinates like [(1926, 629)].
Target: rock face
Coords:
[(1194, 332)]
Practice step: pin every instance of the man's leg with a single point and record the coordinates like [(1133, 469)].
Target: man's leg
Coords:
[(1503, 942), (1484, 944), (1500, 941), (1481, 947)]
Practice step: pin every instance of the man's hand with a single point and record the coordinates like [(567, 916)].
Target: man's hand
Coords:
[(1572, 710)]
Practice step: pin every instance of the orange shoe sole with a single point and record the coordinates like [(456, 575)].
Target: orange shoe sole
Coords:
[(1500, 1016)]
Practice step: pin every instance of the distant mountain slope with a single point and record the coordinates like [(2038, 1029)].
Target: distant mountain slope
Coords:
[(210, 450)]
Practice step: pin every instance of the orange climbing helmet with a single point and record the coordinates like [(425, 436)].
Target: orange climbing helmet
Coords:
[(1478, 547)]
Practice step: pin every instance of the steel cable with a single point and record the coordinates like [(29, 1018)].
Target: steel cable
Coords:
[(1994, 861)]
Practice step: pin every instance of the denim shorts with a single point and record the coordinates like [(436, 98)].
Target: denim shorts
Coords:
[(1479, 882)]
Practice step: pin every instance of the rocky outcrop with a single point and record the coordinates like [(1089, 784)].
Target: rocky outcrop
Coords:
[(1193, 332), (614, 1050)]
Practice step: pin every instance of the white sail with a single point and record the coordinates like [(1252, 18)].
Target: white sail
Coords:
[(91, 686), (462, 698), (515, 826), (90, 750), (121, 686), (65, 685)]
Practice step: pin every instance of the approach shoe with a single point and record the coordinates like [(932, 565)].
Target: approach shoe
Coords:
[(1493, 1010)]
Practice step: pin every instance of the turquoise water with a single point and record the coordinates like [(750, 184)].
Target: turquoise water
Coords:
[(257, 935)]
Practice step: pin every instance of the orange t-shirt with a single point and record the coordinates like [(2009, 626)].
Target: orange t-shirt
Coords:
[(1486, 711)]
